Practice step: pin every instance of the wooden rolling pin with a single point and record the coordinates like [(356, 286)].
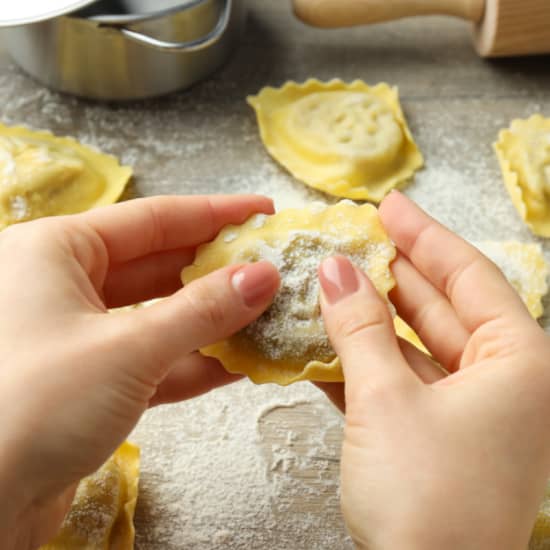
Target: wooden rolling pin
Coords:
[(501, 27)]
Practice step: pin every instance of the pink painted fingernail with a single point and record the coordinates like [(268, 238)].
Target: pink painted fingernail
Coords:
[(256, 283), (338, 278)]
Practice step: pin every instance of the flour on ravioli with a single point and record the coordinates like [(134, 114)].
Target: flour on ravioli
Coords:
[(45, 175), (524, 267), (288, 342), (102, 512), (523, 151)]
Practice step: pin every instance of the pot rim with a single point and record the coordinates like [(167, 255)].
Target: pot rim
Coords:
[(25, 18)]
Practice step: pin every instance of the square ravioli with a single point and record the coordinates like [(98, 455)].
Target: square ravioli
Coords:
[(45, 175), (523, 151), (348, 140), (288, 342), (101, 516), (524, 266)]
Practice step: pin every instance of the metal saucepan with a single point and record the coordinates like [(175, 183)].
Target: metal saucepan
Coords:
[(128, 49)]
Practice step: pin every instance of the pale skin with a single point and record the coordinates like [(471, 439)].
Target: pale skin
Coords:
[(434, 460), (76, 379), (430, 460)]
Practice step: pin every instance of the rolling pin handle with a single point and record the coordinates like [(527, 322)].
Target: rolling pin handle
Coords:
[(347, 13)]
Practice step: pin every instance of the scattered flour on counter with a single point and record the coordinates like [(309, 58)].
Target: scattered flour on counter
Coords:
[(226, 468), (267, 178)]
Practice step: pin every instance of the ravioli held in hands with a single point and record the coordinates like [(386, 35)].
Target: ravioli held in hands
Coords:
[(288, 342)]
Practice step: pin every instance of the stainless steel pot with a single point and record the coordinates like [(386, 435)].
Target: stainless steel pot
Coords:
[(106, 52)]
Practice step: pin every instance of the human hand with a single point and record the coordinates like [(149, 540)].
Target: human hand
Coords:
[(75, 379), (432, 460)]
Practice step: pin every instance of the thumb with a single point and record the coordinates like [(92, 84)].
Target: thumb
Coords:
[(360, 328), (205, 311)]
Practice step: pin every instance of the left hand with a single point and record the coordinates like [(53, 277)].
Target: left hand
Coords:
[(74, 379)]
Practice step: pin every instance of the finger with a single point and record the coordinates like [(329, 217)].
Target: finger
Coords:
[(140, 227), (206, 311), (477, 289), (360, 328), (426, 369), (152, 276), (190, 377), (428, 311)]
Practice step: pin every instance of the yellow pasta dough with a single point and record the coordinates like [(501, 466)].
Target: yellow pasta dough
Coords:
[(540, 539), (407, 333), (288, 342), (101, 515), (348, 140), (45, 175), (523, 151)]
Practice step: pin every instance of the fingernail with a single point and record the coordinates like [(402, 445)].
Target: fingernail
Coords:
[(256, 283), (338, 278)]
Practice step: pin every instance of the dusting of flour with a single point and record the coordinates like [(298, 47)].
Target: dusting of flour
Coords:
[(234, 470), (292, 327)]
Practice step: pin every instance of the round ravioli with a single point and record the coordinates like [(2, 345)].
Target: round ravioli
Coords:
[(349, 140), (288, 342)]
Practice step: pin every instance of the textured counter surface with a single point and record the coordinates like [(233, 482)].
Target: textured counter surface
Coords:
[(251, 467)]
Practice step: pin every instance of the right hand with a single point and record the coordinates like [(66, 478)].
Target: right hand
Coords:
[(434, 460)]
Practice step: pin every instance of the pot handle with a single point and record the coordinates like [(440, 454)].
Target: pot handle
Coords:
[(191, 45)]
